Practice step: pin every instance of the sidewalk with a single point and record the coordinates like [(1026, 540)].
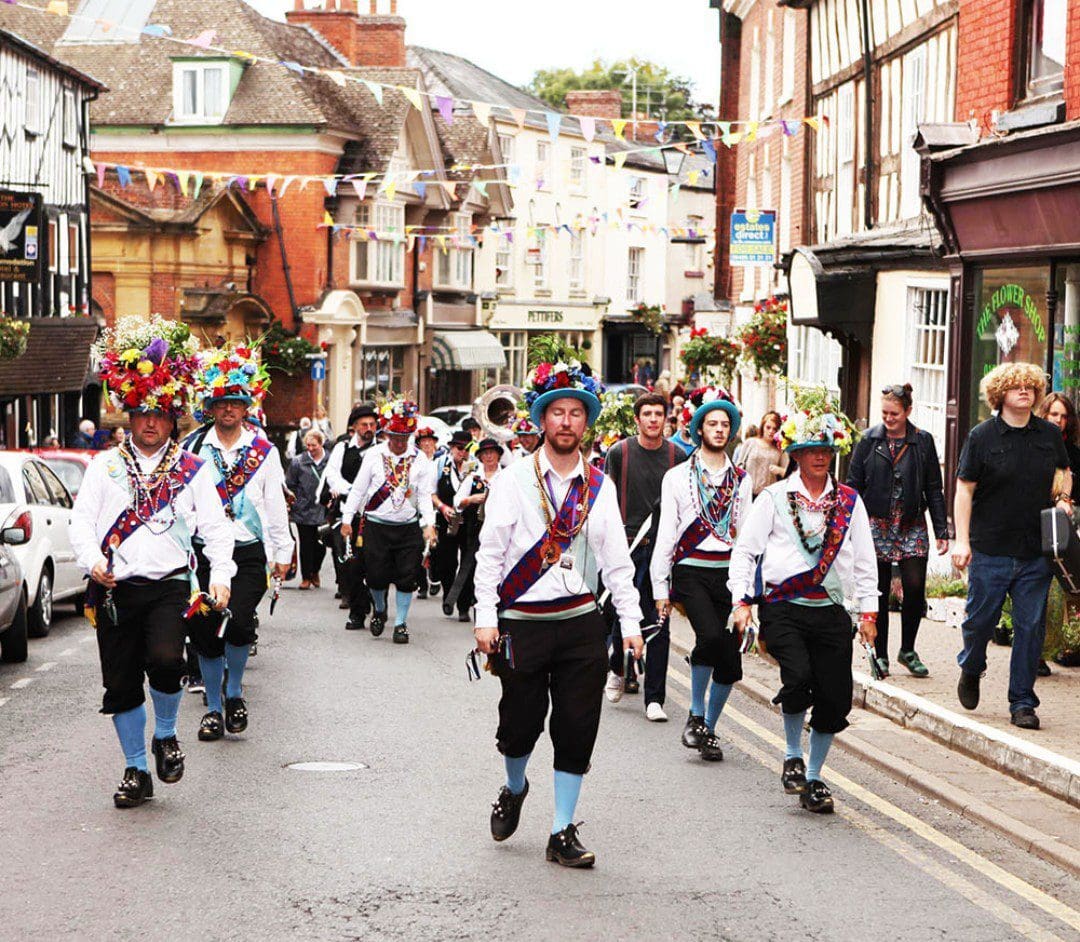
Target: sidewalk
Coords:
[(1048, 758)]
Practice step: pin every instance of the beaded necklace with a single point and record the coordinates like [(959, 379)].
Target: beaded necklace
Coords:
[(719, 515), (397, 476), (550, 550), (826, 506), (154, 489), (232, 478)]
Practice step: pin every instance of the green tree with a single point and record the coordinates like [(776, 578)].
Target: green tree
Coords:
[(661, 94)]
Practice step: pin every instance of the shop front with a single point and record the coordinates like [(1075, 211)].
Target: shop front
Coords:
[(514, 324), (1010, 213)]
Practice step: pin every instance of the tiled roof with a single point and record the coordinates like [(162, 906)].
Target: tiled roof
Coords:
[(57, 357)]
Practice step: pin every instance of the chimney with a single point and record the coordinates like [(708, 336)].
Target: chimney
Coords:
[(365, 39), (595, 103), (647, 128)]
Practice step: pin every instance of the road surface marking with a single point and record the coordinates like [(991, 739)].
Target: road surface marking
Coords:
[(22, 682), (66, 652), (990, 870), (47, 666), (3, 700)]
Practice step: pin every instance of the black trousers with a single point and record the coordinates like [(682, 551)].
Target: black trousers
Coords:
[(147, 639), (704, 596), (656, 657), (312, 550), (813, 648), (447, 557), (392, 554), (352, 582), (913, 582), (564, 662), (247, 591)]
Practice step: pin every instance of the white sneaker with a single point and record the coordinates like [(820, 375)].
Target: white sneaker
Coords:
[(613, 690), (654, 713)]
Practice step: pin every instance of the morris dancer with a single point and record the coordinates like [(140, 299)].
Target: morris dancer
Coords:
[(250, 485), (703, 504), (131, 531), (813, 537), (392, 491), (450, 471), (469, 501), (551, 522), (525, 441)]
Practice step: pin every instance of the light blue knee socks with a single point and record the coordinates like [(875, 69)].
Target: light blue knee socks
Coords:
[(402, 601), (700, 675), (718, 696), (213, 675), (236, 656), (793, 726), (131, 730), (567, 790), (819, 749), (515, 772), (166, 708)]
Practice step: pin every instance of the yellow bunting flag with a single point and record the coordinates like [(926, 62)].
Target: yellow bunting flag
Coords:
[(813, 123), (390, 189), (482, 110), (59, 7), (327, 219), (182, 177), (618, 126), (693, 176), (695, 129), (440, 241), (619, 159), (413, 95), (519, 115), (751, 132)]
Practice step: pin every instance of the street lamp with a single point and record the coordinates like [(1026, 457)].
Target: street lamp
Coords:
[(673, 161)]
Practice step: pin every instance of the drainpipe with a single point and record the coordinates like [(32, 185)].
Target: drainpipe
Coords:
[(284, 261), (868, 118)]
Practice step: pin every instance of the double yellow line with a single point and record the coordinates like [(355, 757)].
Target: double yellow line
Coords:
[(949, 877)]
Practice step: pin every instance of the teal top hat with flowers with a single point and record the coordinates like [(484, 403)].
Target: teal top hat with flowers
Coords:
[(230, 373), (702, 401), (562, 380), (815, 420)]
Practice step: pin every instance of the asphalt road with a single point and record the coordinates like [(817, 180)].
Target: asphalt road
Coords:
[(245, 847)]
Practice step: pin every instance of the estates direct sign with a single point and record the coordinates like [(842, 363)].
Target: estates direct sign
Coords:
[(753, 238)]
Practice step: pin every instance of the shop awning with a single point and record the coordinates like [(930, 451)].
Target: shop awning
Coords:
[(466, 350), (57, 358)]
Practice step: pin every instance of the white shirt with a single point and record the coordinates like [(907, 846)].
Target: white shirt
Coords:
[(104, 495), (371, 477), (514, 522), (766, 533), (332, 475), (263, 494), (465, 487), (678, 510)]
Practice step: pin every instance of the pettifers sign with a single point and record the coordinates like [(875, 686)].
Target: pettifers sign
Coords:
[(20, 233), (753, 238)]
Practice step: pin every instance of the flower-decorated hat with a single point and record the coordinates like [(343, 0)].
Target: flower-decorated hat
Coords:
[(426, 432), (398, 416), (524, 426), (230, 373), (703, 400), (561, 380), (814, 420), (149, 365)]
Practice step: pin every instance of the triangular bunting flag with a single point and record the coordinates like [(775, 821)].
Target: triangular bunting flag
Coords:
[(618, 126), (123, 175), (588, 128), (151, 179), (336, 77), (327, 219), (519, 115), (285, 185), (813, 123), (710, 150), (100, 175), (390, 189), (271, 180), (330, 183), (413, 95), (360, 186), (695, 129), (59, 7), (376, 90), (554, 122), (204, 40), (481, 187), (197, 189), (482, 110), (182, 177), (619, 159), (445, 104), (293, 67), (155, 29), (751, 132), (693, 176), (451, 188)]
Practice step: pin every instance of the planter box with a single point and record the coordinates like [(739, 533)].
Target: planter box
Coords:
[(950, 611)]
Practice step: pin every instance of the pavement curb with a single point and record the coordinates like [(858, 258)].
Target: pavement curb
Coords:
[(1024, 836)]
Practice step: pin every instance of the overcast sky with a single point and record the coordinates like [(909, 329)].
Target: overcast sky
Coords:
[(513, 39)]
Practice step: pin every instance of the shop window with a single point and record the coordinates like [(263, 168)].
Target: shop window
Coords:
[(635, 262), (504, 260), (928, 315), (516, 345), (382, 371), (577, 260), (380, 262), (1044, 24), (1010, 324)]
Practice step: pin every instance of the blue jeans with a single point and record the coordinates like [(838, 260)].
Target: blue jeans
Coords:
[(1027, 583)]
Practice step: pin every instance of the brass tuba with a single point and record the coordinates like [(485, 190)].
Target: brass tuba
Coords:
[(495, 411)]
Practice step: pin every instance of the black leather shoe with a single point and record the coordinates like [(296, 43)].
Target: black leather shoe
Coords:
[(236, 714), (401, 634), (1043, 670), (135, 788), (631, 685), (709, 749), (169, 759), (817, 798), (421, 593), (354, 624), (506, 812), (344, 603), (464, 616), (793, 778), (693, 731), (968, 690), (377, 623), (1025, 718), (447, 608), (565, 849), (212, 727)]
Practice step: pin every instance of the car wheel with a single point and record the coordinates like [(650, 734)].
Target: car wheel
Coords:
[(41, 612), (13, 641)]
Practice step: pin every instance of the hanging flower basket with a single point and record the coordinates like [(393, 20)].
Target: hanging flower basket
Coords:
[(650, 316), (14, 335), (764, 338), (703, 352), (280, 350), (615, 422)]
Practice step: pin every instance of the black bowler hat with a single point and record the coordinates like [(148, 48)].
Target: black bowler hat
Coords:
[(462, 438), (363, 411), (489, 444)]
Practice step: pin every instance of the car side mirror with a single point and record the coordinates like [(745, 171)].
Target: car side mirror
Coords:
[(13, 536)]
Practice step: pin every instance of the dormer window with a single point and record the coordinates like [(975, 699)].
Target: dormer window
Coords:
[(201, 90)]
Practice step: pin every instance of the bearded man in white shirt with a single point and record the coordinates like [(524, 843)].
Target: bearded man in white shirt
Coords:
[(131, 531), (551, 524), (391, 493), (703, 504), (806, 548), (250, 485)]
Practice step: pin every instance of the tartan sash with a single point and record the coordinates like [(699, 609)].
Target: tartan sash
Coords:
[(238, 479), (808, 585), (528, 570)]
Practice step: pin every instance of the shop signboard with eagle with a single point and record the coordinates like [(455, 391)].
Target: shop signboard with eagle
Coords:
[(20, 237)]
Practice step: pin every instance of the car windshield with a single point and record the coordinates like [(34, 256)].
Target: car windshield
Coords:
[(7, 490), (70, 472)]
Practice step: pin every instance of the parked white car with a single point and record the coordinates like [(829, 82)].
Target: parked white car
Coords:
[(38, 503)]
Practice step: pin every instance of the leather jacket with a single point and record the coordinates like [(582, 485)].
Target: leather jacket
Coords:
[(917, 473)]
